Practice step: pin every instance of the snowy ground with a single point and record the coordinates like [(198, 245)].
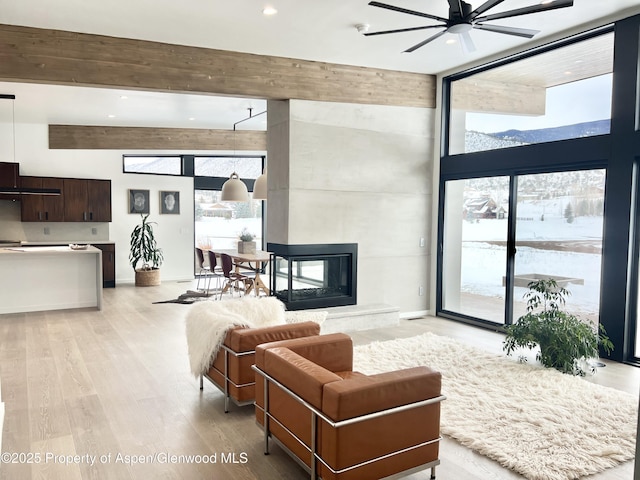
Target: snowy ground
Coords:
[(222, 233), (484, 255)]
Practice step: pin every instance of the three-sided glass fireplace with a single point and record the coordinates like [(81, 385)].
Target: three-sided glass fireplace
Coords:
[(314, 275)]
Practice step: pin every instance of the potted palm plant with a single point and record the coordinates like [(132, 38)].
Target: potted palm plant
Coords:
[(566, 342), (144, 255)]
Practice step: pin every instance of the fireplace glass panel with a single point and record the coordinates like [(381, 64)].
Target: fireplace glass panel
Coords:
[(314, 276)]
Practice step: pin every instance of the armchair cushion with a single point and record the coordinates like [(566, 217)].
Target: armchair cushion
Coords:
[(302, 376), (364, 394), (333, 352), (242, 340)]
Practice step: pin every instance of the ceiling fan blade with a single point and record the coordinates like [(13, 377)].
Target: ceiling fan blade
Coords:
[(424, 42), (467, 43), (400, 30), (455, 7), (409, 12), (527, 10), (518, 32), (484, 7)]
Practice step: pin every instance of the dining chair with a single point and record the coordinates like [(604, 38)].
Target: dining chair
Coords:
[(233, 278), (216, 270), (204, 271)]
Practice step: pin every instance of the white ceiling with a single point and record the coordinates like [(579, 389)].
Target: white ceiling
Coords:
[(306, 29)]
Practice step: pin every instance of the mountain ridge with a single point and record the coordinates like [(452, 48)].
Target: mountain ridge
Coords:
[(551, 134)]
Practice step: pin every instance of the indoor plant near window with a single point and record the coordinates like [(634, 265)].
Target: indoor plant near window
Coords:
[(566, 342), (144, 255), (246, 243)]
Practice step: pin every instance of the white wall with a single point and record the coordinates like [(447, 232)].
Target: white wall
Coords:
[(346, 173)]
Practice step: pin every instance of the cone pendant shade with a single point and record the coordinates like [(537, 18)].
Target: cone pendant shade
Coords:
[(234, 190), (260, 187)]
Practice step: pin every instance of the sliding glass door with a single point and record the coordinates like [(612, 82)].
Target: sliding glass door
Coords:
[(475, 247), (557, 233)]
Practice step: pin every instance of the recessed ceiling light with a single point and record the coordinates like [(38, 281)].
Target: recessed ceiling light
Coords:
[(111, 116), (123, 97), (450, 41), (269, 11), (191, 118)]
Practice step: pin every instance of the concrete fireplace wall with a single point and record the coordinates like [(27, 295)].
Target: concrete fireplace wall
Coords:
[(345, 173)]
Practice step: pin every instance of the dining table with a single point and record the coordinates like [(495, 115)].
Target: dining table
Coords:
[(253, 262)]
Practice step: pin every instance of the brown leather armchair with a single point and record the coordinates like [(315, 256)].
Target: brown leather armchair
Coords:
[(341, 424), (231, 369)]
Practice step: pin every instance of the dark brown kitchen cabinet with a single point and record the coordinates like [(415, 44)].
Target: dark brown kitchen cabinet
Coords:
[(42, 208), (87, 200), (9, 177), (108, 264)]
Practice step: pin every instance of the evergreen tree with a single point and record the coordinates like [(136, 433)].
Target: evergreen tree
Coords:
[(568, 213)]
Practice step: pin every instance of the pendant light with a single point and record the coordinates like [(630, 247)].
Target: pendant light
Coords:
[(234, 189), (260, 187)]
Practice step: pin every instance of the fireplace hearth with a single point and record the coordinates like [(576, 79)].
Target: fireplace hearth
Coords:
[(314, 275)]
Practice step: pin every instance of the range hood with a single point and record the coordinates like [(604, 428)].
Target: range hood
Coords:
[(29, 191), (11, 184)]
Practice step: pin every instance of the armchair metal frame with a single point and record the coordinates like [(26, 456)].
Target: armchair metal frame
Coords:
[(227, 380), (315, 414)]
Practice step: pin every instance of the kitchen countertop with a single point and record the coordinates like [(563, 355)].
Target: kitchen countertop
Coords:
[(63, 243), (45, 250)]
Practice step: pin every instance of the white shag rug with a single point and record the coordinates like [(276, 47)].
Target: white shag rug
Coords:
[(538, 422)]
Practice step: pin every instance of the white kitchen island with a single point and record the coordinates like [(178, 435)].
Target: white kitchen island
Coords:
[(34, 279)]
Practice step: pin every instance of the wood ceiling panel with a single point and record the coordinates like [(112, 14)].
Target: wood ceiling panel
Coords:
[(578, 61)]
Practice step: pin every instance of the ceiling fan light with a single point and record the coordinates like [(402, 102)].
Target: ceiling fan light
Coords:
[(260, 187), (460, 28), (234, 190)]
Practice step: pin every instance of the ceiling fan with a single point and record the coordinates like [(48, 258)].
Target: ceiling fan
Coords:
[(462, 18)]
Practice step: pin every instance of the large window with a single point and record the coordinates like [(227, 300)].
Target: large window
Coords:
[(218, 223), (557, 224), (524, 172), (561, 94), (475, 253), (559, 235), (161, 165)]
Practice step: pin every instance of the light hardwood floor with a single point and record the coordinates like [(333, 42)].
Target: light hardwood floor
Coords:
[(116, 383)]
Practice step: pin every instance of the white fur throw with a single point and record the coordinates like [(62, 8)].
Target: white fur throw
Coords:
[(207, 324)]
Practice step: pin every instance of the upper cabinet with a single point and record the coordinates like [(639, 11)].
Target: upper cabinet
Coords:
[(9, 177), (42, 208), (82, 200), (87, 200)]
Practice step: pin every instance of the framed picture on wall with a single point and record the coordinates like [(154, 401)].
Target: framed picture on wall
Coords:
[(170, 202), (138, 201)]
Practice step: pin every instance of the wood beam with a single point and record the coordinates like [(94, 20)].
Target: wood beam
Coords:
[(35, 55), (144, 138)]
